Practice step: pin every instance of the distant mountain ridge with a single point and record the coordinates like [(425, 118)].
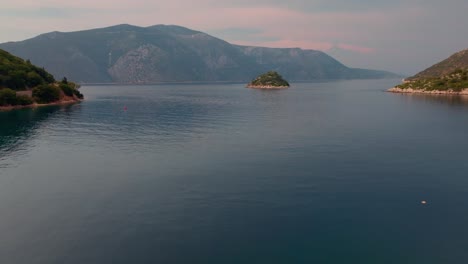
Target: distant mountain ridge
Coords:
[(162, 53), (458, 61)]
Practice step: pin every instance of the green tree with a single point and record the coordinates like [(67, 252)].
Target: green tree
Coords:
[(67, 90), (24, 100), (46, 93), (78, 94), (33, 79), (17, 80), (45, 75), (7, 97)]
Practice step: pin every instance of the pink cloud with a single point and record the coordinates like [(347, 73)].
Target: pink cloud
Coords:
[(287, 43), (293, 28), (391, 29), (359, 49)]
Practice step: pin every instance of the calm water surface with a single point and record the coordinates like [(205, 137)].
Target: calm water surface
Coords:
[(319, 173)]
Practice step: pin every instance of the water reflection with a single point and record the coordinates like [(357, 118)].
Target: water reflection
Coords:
[(274, 100), (231, 175), (454, 100), (17, 126)]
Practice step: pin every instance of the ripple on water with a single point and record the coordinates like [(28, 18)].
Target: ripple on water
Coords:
[(228, 174)]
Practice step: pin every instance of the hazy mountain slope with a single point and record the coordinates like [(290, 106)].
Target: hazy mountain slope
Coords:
[(130, 54), (458, 60), (297, 64)]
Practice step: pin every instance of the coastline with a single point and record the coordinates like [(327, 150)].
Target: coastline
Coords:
[(16, 107), (421, 91), (266, 87)]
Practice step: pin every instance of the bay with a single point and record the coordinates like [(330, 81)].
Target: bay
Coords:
[(330, 172)]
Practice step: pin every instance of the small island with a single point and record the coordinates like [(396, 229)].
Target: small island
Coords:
[(269, 80), (24, 85)]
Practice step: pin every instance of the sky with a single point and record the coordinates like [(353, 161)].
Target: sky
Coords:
[(399, 36)]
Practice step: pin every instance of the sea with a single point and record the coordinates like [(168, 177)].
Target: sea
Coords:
[(325, 172)]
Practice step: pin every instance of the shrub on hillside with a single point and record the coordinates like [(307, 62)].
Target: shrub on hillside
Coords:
[(70, 88), (23, 100), (17, 74), (34, 79), (78, 94), (67, 90), (7, 97), (46, 93)]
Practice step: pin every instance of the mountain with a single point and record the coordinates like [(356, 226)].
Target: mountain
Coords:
[(455, 62), (161, 53)]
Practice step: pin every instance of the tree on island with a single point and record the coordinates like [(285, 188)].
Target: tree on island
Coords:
[(271, 79)]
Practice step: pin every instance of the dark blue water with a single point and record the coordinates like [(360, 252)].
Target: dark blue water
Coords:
[(319, 173)]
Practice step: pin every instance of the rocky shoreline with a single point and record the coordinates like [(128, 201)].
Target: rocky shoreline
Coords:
[(266, 87), (61, 102), (421, 91)]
